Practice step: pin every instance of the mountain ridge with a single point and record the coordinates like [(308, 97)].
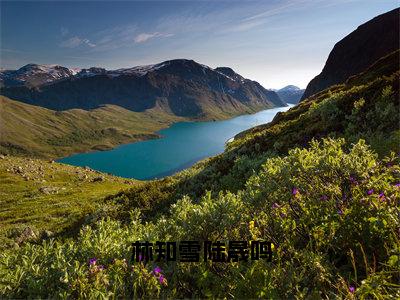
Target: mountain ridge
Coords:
[(183, 87)]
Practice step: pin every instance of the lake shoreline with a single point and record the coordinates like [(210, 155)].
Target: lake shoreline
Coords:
[(176, 147), (148, 136)]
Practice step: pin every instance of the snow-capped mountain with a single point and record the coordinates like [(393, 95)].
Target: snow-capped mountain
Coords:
[(289, 88), (181, 86), (139, 70), (94, 71), (35, 75)]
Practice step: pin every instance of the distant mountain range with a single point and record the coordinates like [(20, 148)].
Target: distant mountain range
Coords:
[(180, 87), (290, 94), (358, 50)]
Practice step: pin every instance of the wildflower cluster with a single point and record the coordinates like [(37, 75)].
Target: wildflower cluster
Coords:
[(157, 272), (94, 267)]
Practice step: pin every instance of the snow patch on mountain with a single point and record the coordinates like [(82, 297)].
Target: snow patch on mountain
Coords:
[(289, 88), (34, 73), (138, 70)]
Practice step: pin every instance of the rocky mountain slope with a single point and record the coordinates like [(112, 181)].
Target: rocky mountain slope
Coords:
[(358, 50), (180, 87), (32, 75), (290, 94)]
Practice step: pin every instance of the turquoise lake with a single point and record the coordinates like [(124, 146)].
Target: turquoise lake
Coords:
[(182, 145)]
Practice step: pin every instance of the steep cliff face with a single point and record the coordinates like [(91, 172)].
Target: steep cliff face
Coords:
[(181, 87), (358, 50)]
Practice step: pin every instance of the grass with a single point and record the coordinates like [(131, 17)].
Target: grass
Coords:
[(45, 195), (40, 132)]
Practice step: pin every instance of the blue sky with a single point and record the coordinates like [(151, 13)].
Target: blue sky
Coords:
[(274, 42)]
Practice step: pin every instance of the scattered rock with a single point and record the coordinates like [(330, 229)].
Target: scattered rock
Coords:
[(47, 234), (47, 190), (27, 235), (83, 177), (98, 179)]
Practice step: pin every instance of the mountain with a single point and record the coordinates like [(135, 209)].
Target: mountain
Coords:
[(34, 75), (290, 94), (358, 50), (180, 87)]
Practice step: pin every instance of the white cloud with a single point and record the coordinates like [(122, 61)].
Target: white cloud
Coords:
[(144, 37), (114, 37), (235, 18), (76, 41)]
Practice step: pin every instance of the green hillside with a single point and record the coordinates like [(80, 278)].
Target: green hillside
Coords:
[(36, 131), (321, 182), (43, 197)]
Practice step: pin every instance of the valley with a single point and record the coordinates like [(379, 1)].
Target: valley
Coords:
[(53, 118), (319, 178)]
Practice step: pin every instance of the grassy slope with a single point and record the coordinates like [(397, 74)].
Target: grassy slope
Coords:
[(374, 76), (44, 195), (36, 131)]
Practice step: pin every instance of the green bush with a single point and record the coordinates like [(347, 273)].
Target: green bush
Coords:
[(331, 213)]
